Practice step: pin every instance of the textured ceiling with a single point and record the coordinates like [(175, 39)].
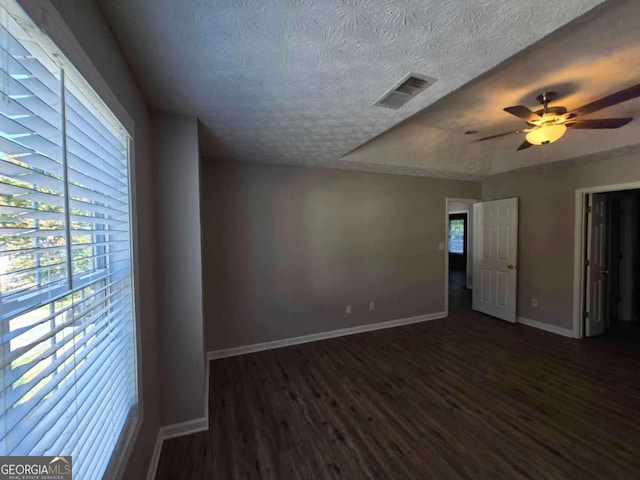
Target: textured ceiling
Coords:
[(294, 81), (598, 57)]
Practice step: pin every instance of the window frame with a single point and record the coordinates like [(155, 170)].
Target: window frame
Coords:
[(57, 36)]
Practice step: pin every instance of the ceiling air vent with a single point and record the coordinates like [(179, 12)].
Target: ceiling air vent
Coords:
[(404, 90)]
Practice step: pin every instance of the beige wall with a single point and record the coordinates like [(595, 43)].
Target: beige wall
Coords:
[(175, 148), (285, 249), (546, 228), (90, 29)]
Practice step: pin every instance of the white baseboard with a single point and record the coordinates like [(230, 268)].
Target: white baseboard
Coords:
[(565, 332), (179, 429), (183, 428), (314, 337), (171, 431), (155, 458)]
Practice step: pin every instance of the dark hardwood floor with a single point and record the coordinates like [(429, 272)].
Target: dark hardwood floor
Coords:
[(464, 397)]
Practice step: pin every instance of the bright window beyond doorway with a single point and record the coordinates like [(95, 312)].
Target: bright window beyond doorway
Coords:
[(456, 236)]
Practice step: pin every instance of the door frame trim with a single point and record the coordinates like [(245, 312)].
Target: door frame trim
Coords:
[(579, 248), (446, 241)]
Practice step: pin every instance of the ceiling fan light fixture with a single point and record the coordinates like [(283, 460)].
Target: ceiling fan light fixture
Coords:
[(549, 124), (546, 134)]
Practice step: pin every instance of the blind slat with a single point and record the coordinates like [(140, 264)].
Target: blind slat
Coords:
[(80, 192), (30, 194), (114, 287), (16, 373), (84, 147), (31, 176), (33, 269), (52, 441), (21, 93), (9, 147), (15, 354), (41, 145), (93, 436), (11, 127), (30, 250), (75, 104), (33, 421), (27, 59), (55, 372), (12, 213), (21, 213), (14, 395), (35, 162), (103, 183), (29, 120), (112, 211)]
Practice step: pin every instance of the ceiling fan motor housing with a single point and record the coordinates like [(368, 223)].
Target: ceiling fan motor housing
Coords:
[(546, 97)]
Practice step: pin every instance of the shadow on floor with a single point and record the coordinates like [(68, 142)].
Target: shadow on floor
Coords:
[(625, 335), (459, 295)]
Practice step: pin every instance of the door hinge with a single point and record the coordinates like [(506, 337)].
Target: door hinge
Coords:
[(588, 210), (586, 314), (587, 262)]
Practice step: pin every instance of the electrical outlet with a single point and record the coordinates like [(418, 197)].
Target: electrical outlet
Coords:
[(372, 306), (348, 308), (534, 302)]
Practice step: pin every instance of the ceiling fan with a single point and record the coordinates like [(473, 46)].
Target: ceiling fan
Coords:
[(549, 124)]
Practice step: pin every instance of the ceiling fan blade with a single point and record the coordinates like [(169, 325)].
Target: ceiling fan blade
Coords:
[(522, 112), (609, 100), (599, 123), (497, 136), (524, 145)]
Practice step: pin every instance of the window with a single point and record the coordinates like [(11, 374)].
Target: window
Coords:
[(456, 235), (67, 326)]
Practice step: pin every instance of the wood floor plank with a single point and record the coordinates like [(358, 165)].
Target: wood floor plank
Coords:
[(464, 397)]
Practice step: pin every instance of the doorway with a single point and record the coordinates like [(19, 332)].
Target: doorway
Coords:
[(610, 286), (458, 247), (458, 253)]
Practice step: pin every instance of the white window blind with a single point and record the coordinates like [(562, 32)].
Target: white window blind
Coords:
[(67, 349)]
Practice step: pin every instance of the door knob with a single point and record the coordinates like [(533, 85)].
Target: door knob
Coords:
[(511, 267), (604, 272)]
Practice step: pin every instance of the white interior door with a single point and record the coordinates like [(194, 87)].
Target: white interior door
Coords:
[(495, 254), (596, 265)]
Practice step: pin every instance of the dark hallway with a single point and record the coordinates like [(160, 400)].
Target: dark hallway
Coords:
[(459, 294)]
